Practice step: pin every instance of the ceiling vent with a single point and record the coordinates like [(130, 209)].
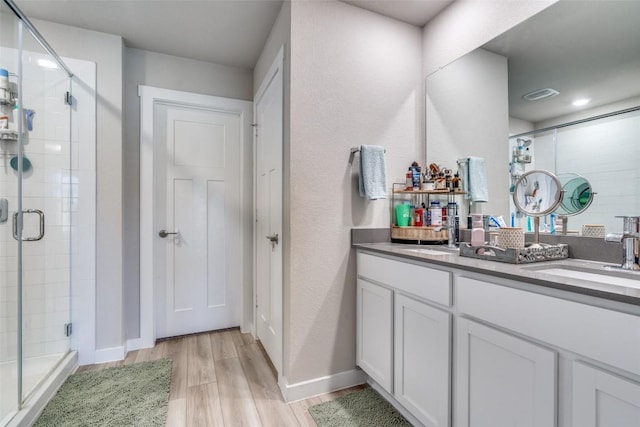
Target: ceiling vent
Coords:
[(539, 94)]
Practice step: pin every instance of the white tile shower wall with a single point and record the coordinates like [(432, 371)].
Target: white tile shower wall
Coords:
[(605, 152), (46, 277)]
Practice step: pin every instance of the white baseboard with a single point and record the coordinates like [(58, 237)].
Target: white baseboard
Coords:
[(112, 354), (316, 386), (136, 344)]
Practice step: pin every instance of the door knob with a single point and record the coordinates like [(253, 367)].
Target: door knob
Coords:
[(165, 233)]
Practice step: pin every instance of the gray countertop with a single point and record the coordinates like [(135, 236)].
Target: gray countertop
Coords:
[(625, 290)]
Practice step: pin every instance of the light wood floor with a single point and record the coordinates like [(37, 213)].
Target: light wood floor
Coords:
[(223, 378)]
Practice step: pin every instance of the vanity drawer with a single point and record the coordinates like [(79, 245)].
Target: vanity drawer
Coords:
[(604, 335), (422, 281)]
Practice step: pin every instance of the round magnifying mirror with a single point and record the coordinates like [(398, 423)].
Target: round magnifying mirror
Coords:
[(578, 194), (537, 193)]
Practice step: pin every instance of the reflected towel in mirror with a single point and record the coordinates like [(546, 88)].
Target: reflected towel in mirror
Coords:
[(476, 180)]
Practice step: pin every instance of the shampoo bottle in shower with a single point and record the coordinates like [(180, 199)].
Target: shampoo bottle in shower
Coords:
[(477, 231)]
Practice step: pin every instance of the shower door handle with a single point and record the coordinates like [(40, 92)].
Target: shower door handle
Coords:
[(15, 225)]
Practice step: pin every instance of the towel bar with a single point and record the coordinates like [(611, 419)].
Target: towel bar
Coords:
[(357, 150)]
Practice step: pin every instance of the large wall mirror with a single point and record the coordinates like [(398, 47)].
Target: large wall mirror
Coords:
[(583, 50)]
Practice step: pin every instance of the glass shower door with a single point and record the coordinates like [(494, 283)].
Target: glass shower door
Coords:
[(9, 293), (46, 190), (37, 196)]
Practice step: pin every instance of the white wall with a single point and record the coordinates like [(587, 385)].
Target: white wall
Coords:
[(468, 115), (169, 72), (106, 51), (355, 79)]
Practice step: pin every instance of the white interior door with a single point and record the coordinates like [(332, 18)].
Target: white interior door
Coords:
[(198, 199), (269, 119)]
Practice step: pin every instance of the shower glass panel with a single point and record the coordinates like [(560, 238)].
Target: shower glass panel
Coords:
[(36, 203), (9, 401), (46, 212)]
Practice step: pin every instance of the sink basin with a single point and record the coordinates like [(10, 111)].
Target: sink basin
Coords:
[(609, 277), (436, 252)]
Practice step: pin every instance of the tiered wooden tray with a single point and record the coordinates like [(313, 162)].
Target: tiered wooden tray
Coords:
[(419, 233), (422, 233)]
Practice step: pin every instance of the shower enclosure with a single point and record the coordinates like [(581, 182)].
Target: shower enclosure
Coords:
[(36, 206)]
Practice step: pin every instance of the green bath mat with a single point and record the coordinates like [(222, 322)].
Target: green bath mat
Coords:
[(360, 408), (132, 395)]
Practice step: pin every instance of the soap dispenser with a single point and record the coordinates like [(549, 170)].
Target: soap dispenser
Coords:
[(477, 231)]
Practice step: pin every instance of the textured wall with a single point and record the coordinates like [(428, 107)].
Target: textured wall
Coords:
[(355, 79)]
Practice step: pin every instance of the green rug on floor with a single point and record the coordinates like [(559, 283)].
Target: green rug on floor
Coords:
[(359, 408), (131, 395)]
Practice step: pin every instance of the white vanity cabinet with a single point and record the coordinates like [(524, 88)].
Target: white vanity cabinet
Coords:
[(503, 353), (421, 360), (502, 380), (404, 341), (592, 342), (374, 349), (602, 399)]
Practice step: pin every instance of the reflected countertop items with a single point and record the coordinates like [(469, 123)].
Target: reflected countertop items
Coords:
[(537, 193), (578, 194)]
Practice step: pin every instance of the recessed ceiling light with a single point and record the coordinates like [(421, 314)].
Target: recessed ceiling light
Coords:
[(536, 95), (580, 102), (46, 63)]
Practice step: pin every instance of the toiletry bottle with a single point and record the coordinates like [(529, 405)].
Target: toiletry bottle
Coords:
[(477, 232), (455, 181), (416, 171), (419, 217), (436, 214), (409, 180)]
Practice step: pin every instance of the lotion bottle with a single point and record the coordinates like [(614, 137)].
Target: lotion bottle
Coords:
[(477, 231)]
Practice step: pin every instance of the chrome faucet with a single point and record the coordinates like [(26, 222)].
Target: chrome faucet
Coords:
[(630, 239)]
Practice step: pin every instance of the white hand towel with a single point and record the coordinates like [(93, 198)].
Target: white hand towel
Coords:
[(477, 180), (373, 174)]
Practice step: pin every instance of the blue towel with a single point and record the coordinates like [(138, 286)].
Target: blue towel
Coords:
[(373, 174), (476, 182)]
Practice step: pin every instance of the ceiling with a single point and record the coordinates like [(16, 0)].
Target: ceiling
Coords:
[(229, 32), (586, 49), (416, 12)]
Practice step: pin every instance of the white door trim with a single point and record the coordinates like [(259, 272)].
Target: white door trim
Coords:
[(149, 96)]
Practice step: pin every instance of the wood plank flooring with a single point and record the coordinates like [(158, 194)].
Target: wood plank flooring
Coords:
[(223, 378)]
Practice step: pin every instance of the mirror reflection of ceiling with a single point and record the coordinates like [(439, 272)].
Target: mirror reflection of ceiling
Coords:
[(583, 49)]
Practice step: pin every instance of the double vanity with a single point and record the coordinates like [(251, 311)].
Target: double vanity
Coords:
[(455, 341)]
